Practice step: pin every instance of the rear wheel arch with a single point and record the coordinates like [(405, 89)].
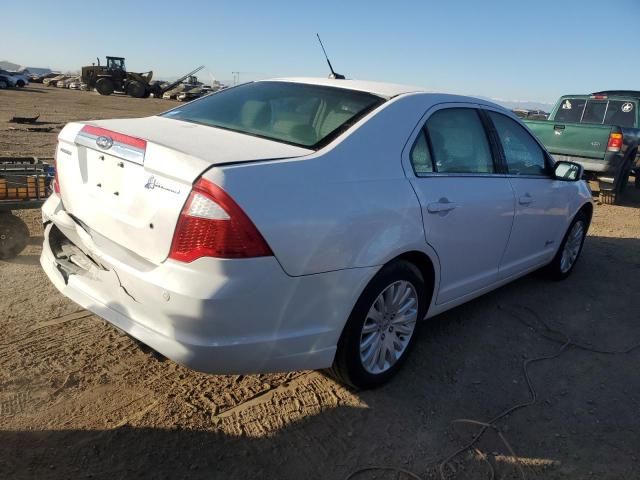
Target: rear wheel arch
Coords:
[(421, 260), (426, 266)]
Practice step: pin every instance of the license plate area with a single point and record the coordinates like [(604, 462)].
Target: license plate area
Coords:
[(106, 173)]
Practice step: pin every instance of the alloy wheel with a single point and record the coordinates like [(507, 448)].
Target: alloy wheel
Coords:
[(389, 326), (572, 247)]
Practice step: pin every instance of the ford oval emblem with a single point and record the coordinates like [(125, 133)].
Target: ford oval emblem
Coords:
[(104, 142)]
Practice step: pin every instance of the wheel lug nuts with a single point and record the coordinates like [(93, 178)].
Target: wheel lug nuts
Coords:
[(390, 329)]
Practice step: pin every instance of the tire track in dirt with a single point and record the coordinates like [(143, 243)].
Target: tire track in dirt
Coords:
[(306, 396)]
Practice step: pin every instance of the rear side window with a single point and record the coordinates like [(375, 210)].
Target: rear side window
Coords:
[(621, 113), (459, 142), (421, 156), (570, 110), (522, 153), (294, 113)]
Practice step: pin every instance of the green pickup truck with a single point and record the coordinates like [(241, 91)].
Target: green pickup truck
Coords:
[(601, 132)]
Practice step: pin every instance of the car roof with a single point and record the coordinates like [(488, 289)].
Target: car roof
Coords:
[(387, 90), (619, 93)]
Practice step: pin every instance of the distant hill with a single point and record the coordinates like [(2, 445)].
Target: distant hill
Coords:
[(6, 65), (14, 67), (524, 104)]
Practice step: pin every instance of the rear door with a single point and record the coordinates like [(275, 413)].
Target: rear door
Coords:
[(542, 203), (467, 206)]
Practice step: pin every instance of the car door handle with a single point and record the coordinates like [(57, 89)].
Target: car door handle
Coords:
[(525, 199), (441, 206)]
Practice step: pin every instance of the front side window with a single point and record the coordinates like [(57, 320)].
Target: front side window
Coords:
[(295, 113), (116, 64), (522, 153), (459, 142)]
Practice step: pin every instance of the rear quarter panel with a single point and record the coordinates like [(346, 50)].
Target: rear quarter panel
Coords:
[(348, 205)]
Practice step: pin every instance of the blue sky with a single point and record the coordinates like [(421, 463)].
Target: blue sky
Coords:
[(511, 50)]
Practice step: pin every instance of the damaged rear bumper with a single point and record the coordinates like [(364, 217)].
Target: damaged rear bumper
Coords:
[(212, 315)]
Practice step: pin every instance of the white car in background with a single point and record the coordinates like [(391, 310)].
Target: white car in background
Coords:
[(304, 223), (15, 79)]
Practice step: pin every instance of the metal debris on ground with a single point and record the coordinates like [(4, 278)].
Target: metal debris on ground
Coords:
[(24, 119), (35, 129)]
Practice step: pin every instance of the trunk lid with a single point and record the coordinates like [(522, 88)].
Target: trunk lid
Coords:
[(129, 183), (574, 139)]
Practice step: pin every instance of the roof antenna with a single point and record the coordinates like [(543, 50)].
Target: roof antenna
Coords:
[(333, 75)]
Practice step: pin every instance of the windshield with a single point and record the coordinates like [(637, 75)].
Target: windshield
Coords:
[(294, 113)]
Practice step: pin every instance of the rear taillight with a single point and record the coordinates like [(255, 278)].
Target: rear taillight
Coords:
[(615, 142), (211, 224)]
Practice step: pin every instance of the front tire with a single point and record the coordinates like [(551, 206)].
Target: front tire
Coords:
[(380, 331), (20, 83), (565, 260)]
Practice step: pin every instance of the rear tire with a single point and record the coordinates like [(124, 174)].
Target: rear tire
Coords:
[(569, 252), (380, 331), (14, 235), (3, 84), (622, 179), (136, 89), (104, 86)]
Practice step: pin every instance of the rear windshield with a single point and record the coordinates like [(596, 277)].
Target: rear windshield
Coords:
[(294, 113), (607, 112)]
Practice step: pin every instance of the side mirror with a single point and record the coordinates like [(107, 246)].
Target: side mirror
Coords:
[(567, 171)]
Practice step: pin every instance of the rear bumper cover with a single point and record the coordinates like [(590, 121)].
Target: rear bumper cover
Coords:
[(217, 316)]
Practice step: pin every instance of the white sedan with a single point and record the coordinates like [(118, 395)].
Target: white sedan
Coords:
[(304, 223)]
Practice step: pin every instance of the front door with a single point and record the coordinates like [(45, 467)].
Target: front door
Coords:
[(467, 207), (541, 203)]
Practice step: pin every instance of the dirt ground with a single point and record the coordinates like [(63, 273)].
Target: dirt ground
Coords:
[(80, 400)]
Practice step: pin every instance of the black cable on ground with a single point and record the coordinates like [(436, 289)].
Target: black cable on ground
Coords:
[(565, 342), (548, 333)]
